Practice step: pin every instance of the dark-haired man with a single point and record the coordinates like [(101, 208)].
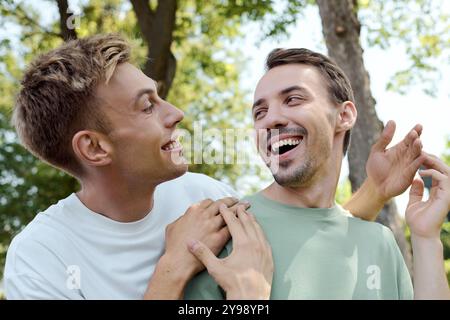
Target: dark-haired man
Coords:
[(304, 109)]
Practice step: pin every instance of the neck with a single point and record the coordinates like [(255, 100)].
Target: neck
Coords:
[(116, 198), (319, 192)]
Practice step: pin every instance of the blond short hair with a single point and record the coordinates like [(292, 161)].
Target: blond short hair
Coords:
[(57, 97)]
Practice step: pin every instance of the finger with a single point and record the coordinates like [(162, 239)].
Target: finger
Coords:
[(221, 238), (245, 204), (411, 169), (416, 191), (224, 234), (219, 222), (233, 223), (418, 128), (416, 149), (433, 162), (203, 254), (409, 139), (385, 137), (434, 174), (205, 203), (213, 208), (259, 231), (229, 201), (247, 223), (261, 236)]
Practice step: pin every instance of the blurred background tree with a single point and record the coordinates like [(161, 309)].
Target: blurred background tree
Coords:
[(192, 48)]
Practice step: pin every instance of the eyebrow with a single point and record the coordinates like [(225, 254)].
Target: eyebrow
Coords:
[(281, 93), (292, 88)]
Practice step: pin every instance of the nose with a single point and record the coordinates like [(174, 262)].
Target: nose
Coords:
[(275, 119), (172, 116)]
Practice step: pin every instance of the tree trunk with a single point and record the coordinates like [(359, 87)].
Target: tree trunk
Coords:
[(341, 30), (67, 29), (157, 28)]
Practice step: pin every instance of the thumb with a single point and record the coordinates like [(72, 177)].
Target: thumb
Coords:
[(385, 137), (203, 254), (416, 191)]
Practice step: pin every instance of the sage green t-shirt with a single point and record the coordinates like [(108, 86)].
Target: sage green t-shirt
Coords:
[(322, 254)]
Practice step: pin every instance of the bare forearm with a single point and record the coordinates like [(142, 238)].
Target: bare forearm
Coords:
[(365, 203), (430, 281), (167, 282)]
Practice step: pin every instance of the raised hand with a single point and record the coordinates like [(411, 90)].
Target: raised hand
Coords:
[(425, 218), (391, 171)]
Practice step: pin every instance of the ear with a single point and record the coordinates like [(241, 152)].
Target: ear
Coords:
[(92, 148), (346, 117)]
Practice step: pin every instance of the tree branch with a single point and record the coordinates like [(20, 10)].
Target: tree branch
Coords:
[(21, 14)]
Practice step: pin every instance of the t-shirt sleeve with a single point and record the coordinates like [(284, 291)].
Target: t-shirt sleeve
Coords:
[(34, 272), (404, 283)]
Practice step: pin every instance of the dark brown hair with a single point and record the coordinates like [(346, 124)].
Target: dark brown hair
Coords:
[(57, 97), (339, 87)]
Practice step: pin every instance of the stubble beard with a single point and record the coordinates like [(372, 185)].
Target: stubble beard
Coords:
[(295, 177)]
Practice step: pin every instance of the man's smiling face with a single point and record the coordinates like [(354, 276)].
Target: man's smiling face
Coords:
[(143, 127), (293, 99)]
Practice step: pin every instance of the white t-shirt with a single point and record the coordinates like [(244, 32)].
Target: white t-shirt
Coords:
[(71, 252)]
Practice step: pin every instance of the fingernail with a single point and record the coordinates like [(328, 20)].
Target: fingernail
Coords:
[(222, 206)]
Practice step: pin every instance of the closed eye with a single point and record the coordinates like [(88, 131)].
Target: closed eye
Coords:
[(258, 114), (148, 107), (294, 100)]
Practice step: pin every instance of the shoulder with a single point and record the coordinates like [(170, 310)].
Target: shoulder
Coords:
[(194, 179), (37, 258), (34, 270), (38, 243), (256, 199), (375, 232), (198, 185)]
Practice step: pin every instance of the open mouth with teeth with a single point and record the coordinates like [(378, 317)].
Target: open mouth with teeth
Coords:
[(172, 145), (285, 145)]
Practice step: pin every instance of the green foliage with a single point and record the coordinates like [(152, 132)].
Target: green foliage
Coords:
[(445, 238), (447, 269), (446, 155), (343, 192), (419, 27)]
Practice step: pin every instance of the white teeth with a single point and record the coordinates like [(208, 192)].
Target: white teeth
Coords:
[(292, 142), (172, 145)]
